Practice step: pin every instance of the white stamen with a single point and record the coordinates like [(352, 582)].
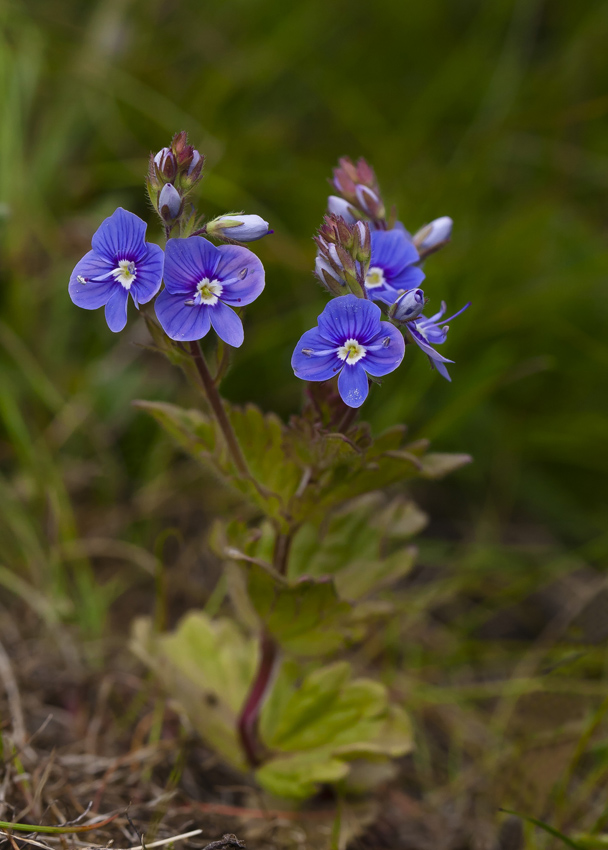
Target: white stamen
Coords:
[(374, 277), (351, 352), (125, 273), (208, 292), (81, 279)]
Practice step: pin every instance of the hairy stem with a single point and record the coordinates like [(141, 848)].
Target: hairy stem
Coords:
[(215, 401)]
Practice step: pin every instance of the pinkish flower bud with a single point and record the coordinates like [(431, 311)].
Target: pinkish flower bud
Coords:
[(369, 202)]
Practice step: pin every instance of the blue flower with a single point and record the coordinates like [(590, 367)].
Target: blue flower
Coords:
[(201, 281), (391, 269), (350, 342), (121, 263), (425, 332)]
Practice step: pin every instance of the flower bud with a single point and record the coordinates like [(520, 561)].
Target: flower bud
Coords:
[(328, 276), (243, 228), (357, 184), (433, 236), (369, 202), (340, 207), (169, 202), (194, 169), (346, 249), (166, 164), (408, 306)]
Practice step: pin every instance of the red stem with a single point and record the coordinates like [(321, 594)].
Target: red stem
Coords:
[(250, 714), (269, 653)]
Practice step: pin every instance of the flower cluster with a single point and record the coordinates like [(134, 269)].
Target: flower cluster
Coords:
[(203, 283), (388, 272), (363, 257)]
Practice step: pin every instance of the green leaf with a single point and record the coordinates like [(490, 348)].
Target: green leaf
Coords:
[(261, 437), (438, 464), (274, 479), (360, 545), (319, 722), (207, 667), (193, 430), (306, 618), (298, 776), (329, 709)]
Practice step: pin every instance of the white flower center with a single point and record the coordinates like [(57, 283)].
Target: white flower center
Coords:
[(374, 277), (351, 352), (125, 273), (208, 292)]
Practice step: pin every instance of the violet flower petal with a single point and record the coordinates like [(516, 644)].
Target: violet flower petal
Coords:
[(187, 262), (349, 317), (180, 321), (320, 363), (353, 385), (383, 357), (121, 237), (116, 309), (227, 324), (149, 275), (245, 272), (87, 293)]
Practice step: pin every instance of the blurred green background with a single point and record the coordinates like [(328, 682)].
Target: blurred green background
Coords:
[(492, 113)]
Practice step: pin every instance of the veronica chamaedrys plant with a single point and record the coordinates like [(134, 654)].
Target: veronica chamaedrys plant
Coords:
[(267, 682)]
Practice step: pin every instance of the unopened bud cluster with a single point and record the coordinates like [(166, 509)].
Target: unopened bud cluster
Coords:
[(172, 174), (362, 251), (359, 198), (344, 253), (358, 187)]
